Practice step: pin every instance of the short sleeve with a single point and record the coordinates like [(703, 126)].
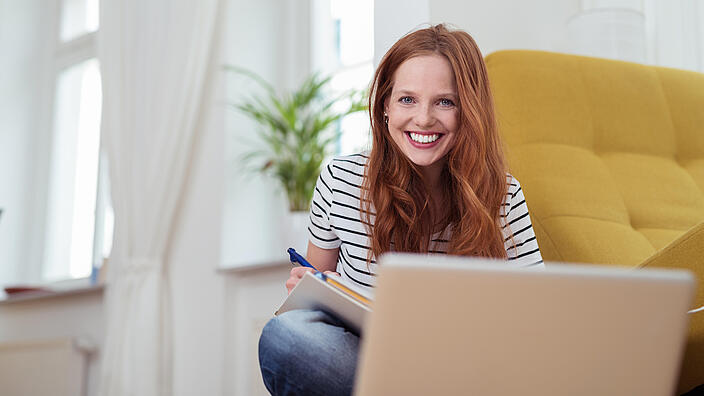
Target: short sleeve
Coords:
[(320, 231), (519, 237)]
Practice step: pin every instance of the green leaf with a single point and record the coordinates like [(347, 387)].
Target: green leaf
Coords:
[(297, 129)]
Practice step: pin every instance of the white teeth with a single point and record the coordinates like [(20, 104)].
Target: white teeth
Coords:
[(417, 137)]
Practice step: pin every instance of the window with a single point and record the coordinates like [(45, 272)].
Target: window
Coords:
[(79, 217), (343, 45), (78, 17)]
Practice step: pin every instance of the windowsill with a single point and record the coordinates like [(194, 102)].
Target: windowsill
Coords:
[(49, 293), (251, 268)]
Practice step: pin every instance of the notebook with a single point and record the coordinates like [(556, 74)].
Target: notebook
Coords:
[(463, 326), (331, 294)]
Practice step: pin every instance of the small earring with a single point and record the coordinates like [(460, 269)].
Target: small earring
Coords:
[(386, 118)]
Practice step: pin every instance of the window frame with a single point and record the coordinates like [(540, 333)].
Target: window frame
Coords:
[(321, 60), (59, 56)]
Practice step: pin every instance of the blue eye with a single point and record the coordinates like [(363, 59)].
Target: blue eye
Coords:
[(446, 102), (406, 100)]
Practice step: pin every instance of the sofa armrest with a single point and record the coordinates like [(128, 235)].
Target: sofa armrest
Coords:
[(687, 252)]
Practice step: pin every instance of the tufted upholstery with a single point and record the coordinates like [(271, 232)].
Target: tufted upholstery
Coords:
[(610, 156)]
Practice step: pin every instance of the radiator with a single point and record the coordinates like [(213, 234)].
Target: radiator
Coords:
[(45, 367)]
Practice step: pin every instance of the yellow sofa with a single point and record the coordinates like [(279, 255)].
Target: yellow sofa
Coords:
[(611, 159)]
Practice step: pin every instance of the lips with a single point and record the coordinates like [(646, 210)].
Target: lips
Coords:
[(423, 139)]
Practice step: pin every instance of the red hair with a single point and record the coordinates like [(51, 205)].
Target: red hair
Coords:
[(393, 191)]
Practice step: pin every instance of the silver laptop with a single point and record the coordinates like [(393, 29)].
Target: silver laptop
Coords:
[(459, 326)]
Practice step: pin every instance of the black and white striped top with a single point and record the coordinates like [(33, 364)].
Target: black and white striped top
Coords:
[(336, 221)]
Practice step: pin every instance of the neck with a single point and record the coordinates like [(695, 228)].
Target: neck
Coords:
[(432, 175)]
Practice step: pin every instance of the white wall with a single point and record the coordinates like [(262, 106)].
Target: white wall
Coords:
[(675, 32), (494, 25), (391, 22), (509, 24), (251, 298), (674, 29)]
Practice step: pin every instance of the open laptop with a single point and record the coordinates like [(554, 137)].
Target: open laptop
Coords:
[(446, 325)]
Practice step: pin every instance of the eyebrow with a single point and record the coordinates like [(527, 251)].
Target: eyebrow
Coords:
[(411, 93)]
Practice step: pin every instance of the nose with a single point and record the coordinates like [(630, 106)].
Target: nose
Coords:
[(424, 116)]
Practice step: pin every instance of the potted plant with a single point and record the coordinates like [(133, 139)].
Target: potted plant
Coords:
[(297, 128)]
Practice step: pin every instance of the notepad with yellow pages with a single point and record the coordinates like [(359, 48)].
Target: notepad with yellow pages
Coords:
[(331, 294)]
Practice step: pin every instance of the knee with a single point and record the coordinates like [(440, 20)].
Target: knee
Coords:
[(272, 342), (300, 334), (304, 351), (283, 340), (281, 348), (281, 333)]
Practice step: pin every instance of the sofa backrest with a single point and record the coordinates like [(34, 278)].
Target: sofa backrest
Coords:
[(610, 154)]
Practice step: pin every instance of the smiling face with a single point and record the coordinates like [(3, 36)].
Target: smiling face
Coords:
[(423, 116)]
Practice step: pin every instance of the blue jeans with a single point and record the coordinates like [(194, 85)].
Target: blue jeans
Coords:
[(306, 352)]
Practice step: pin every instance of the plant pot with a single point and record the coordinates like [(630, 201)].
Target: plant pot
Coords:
[(295, 231)]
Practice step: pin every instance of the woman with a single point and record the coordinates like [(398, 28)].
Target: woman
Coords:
[(434, 182)]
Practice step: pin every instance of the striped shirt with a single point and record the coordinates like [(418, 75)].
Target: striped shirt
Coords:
[(336, 222)]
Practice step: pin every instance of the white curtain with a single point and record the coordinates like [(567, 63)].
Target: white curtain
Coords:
[(155, 57)]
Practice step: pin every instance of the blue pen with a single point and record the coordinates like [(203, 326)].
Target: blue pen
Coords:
[(297, 258)]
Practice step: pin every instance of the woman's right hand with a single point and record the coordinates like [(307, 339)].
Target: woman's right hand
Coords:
[(323, 259), (296, 275)]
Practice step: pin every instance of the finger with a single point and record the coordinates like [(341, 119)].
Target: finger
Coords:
[(299, 271), (296, 275), (332, 273), (292, 282)]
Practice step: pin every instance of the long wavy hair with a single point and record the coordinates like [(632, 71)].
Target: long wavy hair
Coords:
[(395, 202)]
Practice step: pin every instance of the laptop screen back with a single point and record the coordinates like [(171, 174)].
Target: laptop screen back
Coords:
[(448, 325)]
